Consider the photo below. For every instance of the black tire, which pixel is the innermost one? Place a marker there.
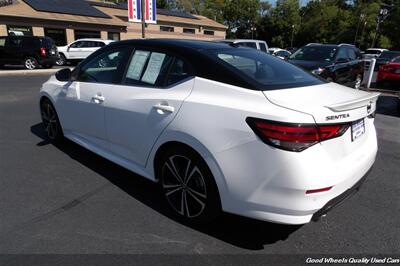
(61, 60)
(31, 63)
(50, 121)
(190, 191)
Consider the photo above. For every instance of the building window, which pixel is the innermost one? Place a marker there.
(190, 31)
(166, 28)
(114, 36)
(208, 32)
(19, 31)
(82, 34)
(58, 35)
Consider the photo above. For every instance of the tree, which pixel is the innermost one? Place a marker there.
(241, 17)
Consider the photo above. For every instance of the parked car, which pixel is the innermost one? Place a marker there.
(79, 50)
(373, 53)
(29, 51)
(256, 44)
(291, 49)
(280, 53)
(338, 63)
(252, 135)
(389, 74)
(385, 57)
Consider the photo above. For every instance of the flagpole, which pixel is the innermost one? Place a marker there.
(142, 9)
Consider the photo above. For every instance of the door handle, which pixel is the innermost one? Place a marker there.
(98, 98)
(164, 108)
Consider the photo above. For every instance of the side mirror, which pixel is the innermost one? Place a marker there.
(341, 60)
(63, 74)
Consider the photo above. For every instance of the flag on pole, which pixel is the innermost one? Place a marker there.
(135, 11)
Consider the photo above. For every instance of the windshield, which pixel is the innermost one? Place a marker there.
(389, 55)
(268, 72)
(315, 53)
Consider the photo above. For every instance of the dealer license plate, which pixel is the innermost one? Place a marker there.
(357, 129)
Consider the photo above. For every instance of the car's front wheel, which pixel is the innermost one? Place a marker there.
(50, 121)
(188, 185)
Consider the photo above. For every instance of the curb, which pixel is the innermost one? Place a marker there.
(22, 72)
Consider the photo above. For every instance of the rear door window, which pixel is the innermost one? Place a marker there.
(147, 68)
(15, 42)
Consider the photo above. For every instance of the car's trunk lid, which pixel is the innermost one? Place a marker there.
(327, 103)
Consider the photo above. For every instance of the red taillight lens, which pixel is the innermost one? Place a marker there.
(294, 137)
(312, 191)
(43, 52)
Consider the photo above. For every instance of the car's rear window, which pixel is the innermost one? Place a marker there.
(47, 42)
(263, 70)
(315, 53)
(372, 51)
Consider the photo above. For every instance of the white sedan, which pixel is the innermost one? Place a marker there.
(219, 127)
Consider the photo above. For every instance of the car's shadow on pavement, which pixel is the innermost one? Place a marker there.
(388, 105)
(235, 230)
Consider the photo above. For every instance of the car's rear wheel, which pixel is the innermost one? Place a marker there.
(61, 60)
(31, 63)
(50, 121)
(188, 185)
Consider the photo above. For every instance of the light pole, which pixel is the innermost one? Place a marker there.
(383, 13)
(291, 40)
(358, 26)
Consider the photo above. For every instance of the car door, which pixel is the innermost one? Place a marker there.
(81, 102)
(75, 50)
(342, 69)
(154, 88)
(12, 52)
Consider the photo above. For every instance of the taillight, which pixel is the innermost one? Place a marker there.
(43, 52)
(294, 137)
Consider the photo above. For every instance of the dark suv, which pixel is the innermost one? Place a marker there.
(30, 51)
(341, 63)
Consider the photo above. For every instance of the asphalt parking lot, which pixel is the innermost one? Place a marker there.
(66, 200)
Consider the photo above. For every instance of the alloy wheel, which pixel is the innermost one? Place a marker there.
(30, 63)
(184, 186)
(49, 118)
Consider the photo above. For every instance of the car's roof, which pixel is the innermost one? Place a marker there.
(177, 44)
(94, 39)
(241, 40)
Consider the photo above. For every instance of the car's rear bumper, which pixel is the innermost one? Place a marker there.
(48, 60)
(339, 199)
(270, 184)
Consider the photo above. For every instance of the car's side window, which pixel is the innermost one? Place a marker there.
(397, 60)
(352, 54)
(15, 42)
(77, 45)
(263, 47)
(147, 68)
(179, 71)
(104, 68)
(100, 44)
(342, 54)
(248, 44)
